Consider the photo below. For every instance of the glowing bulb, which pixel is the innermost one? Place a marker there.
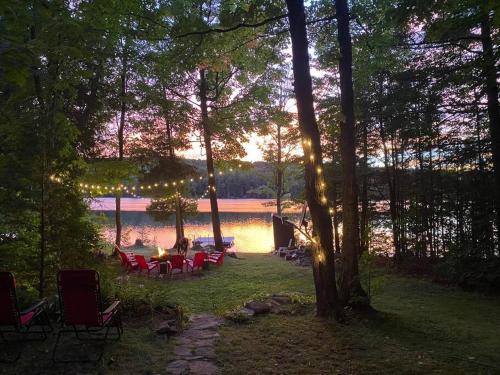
(330, 210)
(319, 170)
(239, 165)
(201, 177)
(322, 184)
(182, 181)
(149, 186)
(211, 174)
(156, 185)
(174, 183)
(142, 187)
(311, 157)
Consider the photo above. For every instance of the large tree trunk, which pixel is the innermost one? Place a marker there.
(323, 254)
(207, 136)
(349, 279)
(490, 72)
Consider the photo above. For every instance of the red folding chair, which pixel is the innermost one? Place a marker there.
(217, 257)
(82, 311)
(177, 262)
(148, 266)
(14, 321)
(197, 262)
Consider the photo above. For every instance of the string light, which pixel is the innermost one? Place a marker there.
(130, 189)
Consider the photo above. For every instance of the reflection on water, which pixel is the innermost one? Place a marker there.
(248, 220)
(252, 231)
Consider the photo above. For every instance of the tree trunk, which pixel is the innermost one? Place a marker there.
(364, 193)
(335, 217)
(349, 279)
(207, 136)
(323, 254)
(41, 287)
(121, 128)
(179, 221)
(490, 72)
(279, 173)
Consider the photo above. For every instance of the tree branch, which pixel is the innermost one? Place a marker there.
(235, 27)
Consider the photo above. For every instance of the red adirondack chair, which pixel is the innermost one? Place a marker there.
(197, 262)
(217, 257)
(129, 262)
(148, 266)
(82, 311)
(14, 321)
(177, 262)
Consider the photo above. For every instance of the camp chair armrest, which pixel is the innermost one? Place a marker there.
(114, 306)
(37, 308)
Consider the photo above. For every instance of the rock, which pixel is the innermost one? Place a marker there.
(246, 312)
(139, 243)
(178, 367)
(202, 368)
(202, 322)
(282, 300)
(182, 351)
(202, 343)
(168, 327)
(258, 307)
(184, 341)
(200, 334)
(271, 303)
(206, 351)
(240, 316)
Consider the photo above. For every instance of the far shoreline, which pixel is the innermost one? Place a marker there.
(248, 205)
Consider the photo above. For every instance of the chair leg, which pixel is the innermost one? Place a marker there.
(55, 346)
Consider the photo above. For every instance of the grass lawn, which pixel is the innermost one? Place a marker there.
(420, 327)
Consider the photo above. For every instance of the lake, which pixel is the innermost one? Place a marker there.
(248, 220)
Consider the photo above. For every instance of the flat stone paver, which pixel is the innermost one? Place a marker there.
(195, 347)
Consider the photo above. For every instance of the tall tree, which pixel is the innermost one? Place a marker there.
(323, 254)
(350, 284)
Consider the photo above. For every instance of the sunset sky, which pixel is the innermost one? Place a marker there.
(251, 147)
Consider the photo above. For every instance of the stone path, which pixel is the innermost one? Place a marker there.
(195, 347)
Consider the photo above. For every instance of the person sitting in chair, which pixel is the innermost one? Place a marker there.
(182, 246)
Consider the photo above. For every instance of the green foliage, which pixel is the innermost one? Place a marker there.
(44, 222)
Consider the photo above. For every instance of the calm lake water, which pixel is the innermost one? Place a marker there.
(248, 220)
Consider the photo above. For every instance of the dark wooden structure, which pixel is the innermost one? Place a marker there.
(283, 232)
